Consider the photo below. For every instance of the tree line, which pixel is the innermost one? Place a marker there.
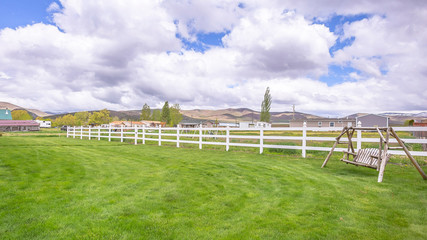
(171, 115)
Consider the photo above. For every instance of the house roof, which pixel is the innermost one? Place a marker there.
(324, 119)
(18, 123)
(365, 115)
(5, 114)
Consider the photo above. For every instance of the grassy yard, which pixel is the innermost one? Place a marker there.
(62, 188)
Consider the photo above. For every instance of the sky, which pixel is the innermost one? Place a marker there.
(330, 58)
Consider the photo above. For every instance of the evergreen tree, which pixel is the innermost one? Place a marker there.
(265, 107)
(165, 116)
(145, 112)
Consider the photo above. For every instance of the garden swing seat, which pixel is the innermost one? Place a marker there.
(367, 157)
(375, 158)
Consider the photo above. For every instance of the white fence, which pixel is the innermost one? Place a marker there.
(223, 137)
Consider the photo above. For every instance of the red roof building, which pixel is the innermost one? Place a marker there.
(18, 125)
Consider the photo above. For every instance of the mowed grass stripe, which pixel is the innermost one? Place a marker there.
(64, 188)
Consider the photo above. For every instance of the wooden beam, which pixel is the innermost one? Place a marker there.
(420, 170)
(384, 161)
(344, 130)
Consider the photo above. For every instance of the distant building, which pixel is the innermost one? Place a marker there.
(119, 124)
(372, 120)
(235, 125)
(5, 114)
(18, 125)
(204, 124)
(254, 125)
(324, 122)
(44, 124)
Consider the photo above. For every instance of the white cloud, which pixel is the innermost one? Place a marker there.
(116, 54)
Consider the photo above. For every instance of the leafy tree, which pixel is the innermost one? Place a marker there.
(409, 122)
(156, 115)
(44, 119)
(21, 115)
(265, 107)
(145, 112)
(82, 118)
(101, 117)
(175, 115)
(67, 120)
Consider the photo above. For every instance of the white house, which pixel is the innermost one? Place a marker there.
(44, 124)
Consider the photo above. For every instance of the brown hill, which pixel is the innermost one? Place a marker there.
(34, 112)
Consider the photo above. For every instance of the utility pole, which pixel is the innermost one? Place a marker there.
(293, 112)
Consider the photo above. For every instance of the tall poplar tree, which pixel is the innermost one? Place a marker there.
(265, 106)
(166, 116)
(145, 112)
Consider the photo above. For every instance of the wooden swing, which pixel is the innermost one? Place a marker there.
(375, 158)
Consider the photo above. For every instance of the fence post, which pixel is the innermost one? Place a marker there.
(109, 133)
(74, 131)
(136, 135)
(99, 133)
(143, 134)
(121, 133)
(227, 138)
(304, 139)
(160, 135)
(89, 132)
(261, 141)
(359, 137)
(81, 132)
(200, 136)
(68, 129)
(177, 136)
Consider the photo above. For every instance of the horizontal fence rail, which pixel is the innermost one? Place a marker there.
(224, 137)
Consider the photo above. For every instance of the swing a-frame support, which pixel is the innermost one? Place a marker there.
(375, 158)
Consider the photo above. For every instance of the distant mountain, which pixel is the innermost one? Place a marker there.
(241, 114)
(34, 112)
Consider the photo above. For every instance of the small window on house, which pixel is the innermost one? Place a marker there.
(331, 124)
(319, 124)
(339, 121)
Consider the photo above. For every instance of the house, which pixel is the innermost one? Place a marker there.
(324, 122)
(44, 124)
(18, 125)
(5, 114)
(372, 120)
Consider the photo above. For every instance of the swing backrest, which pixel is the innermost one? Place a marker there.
(368, 156)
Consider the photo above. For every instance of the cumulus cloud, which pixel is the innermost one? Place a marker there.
(121, 54)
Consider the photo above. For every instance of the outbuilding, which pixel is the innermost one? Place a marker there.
(372, 120)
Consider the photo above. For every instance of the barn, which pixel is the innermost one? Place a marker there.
(5, 114)
(18, 125)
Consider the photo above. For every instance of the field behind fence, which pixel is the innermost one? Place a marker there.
(301, 139)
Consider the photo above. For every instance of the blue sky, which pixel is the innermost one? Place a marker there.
(210, 54)
(18, 13)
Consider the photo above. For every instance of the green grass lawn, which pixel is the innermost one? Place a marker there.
(62, 188)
